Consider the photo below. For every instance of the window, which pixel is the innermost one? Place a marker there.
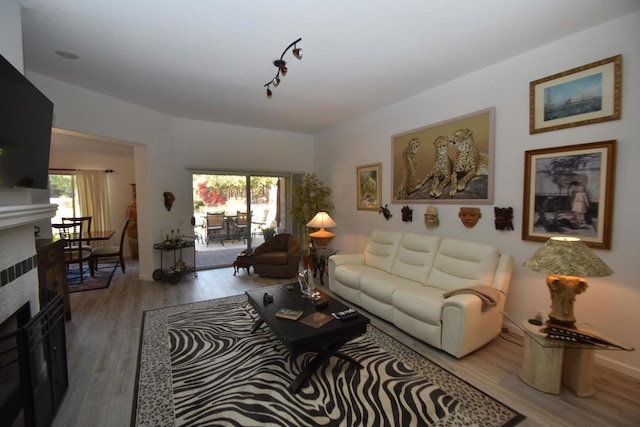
(64, 193)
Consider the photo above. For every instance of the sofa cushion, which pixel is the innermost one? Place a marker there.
(415, 256)
(350, 275)
(423, 304)
(382, 286)
(273, 258)
(381, 249)
(459, 264)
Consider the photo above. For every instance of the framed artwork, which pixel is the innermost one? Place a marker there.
(448, 162)
(580, 96)
(369, 182)
(568, 191)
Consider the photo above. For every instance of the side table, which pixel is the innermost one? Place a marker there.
(243, 261)
(547, 363)
(320, 259)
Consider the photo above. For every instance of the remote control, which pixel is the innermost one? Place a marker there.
(345, 314)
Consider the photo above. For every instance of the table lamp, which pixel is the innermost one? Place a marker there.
(566, 260)
(321, 237)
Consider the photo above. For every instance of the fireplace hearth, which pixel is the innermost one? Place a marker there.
(33, 364)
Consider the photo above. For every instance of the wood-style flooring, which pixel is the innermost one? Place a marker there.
(104, 334)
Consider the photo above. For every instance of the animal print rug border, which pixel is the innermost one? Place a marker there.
(153, 397)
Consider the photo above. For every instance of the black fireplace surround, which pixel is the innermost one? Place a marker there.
(33, 363)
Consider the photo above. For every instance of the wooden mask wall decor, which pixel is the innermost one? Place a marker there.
(504, 217)
(469, 216)
(169, 198)
(407, 214)
(431, 217)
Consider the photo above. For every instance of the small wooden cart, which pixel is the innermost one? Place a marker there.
(179, 267)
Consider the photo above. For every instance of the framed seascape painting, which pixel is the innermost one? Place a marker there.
(368, 187)
(448, 162)
(568, 191)
(580, 96)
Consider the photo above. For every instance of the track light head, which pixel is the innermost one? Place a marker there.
(281, 64)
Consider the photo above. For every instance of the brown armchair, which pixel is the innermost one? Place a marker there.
(277, 257)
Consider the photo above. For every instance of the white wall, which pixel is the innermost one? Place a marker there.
(166, 147)
(611, 303)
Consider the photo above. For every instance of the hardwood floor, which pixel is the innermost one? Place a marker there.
(103, 339)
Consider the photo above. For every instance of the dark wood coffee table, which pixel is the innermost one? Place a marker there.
(300, 338)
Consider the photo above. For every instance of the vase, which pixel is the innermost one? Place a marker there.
(132, 228)
(307, 285)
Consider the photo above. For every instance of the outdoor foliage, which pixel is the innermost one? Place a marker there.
(209, 196)
(60, 186)
(215, 190)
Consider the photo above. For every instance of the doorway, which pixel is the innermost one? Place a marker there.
(234, 212)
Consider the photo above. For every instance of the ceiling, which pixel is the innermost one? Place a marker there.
(210, 59)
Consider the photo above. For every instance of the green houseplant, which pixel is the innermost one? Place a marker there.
(268, 233)
(310, 196)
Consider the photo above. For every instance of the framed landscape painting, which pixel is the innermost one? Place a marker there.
(368, 187)
(580, 96)
(426, 167)
(568, 192)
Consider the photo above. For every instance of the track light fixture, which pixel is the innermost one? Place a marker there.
(281, 64)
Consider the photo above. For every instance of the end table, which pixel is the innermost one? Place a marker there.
(243, 261)
(547, 363)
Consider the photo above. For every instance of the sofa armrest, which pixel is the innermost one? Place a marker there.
(346, 259)
(465, 327)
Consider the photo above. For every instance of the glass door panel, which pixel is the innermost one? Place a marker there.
(232, 213)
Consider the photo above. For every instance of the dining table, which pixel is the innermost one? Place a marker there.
(93, 236)
(96, 235)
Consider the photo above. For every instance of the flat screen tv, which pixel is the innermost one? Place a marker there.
(26, 117)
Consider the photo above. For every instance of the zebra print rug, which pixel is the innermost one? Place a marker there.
(199, 366)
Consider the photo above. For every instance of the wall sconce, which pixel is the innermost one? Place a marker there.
(281, 64)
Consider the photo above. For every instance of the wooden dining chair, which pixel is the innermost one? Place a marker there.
(74, 251)
(86, 225)
(112, 252)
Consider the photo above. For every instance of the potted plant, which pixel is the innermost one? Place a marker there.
(268, 233)
(309, 197)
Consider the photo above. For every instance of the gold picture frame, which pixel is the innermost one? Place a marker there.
(568, 192)
(581, 96)
(415, 157)
(369, 191)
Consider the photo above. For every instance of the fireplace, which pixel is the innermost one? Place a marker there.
(33, 363)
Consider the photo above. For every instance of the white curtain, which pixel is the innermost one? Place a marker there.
(93, 196)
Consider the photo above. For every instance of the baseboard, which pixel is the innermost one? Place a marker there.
(619, 367)
(606, 362)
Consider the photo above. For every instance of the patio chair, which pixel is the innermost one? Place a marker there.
(215, 226)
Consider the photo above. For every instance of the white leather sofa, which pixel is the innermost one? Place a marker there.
(403, 278)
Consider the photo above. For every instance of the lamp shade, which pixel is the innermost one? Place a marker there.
(321, 220)
(567, 256)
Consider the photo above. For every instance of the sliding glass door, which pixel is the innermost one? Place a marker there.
(234, 212)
